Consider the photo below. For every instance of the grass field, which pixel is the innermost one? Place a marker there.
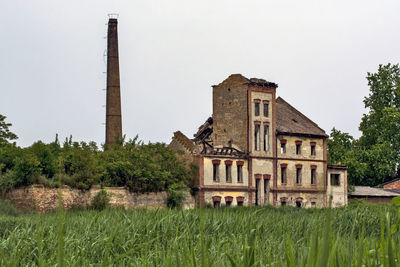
(358, 235)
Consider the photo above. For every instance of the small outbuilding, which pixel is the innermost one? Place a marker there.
(373, 195)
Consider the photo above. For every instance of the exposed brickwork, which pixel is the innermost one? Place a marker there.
(113, 106)
(230, 112)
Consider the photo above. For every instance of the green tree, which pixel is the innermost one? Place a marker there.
(5, 133)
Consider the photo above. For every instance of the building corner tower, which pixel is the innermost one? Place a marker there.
(113, 105)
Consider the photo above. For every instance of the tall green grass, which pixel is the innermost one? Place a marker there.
(357, 235)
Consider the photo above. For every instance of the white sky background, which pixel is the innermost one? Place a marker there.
(171, 52)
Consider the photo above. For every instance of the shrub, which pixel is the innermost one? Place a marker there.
(176, 195)
(101, 200)
(7, 181)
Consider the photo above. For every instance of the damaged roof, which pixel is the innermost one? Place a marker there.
(184, 140)
(291, 121)
(251, 81)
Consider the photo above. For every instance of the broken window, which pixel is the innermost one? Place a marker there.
(313, 176)
(228, 203)
(298, 149)
(257, 137)
(335, 179)
(283, 175)
(313, 203)
(215, 172)
(283, 148)
(265, 109)
(228, 173)
(283, 203)
(266, 130)
(217, 204)
(240, 203)
(240, 173)
(298, 176)
(256, 109)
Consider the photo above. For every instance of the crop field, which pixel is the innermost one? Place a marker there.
(357, 235)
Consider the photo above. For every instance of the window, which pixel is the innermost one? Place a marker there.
(298, 149)
(298, 176)
(215, 172)
(299, 201)
(217, 204)
(313, 203)
(256, 109)
(283, 203)
(240, 203)
(240, 173)
(335, 179)
(312, 149)
(265, 109)
(283, 175)
(228, 173)
(257, 137)
(266, 130)
(228, 203)
(283, 148)
(313, 176)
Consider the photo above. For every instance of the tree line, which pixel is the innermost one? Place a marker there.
(151, 167)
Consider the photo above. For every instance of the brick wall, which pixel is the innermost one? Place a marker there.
(41, 199)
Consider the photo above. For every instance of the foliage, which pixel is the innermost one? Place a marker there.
(140, 167)
(5, 133)
(374, 158)
(357, 235)
(176, 195)
(101, 200)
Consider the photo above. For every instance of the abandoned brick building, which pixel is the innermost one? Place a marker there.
(257, 149)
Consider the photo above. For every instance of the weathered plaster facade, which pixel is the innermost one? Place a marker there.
(283, 154)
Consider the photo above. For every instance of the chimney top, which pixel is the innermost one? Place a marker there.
(113, 16)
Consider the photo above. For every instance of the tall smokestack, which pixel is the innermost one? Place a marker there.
(113, 110)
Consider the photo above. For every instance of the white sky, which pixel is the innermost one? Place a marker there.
(171, 52)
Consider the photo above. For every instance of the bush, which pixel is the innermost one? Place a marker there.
(7, 181)
(101, 200)
(176, 195)
(6, 208)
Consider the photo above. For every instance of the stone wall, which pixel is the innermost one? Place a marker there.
(41, 199)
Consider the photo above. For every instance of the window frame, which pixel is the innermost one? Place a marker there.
(239, 173)
(313, 176)
(257, 136)
(228, 173)
(266, 137)
(338, 179)
(283, 174)
(298, 176)
(256, 108)
(216, 171)
(266, 109)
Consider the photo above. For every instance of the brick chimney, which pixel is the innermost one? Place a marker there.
(113, 110)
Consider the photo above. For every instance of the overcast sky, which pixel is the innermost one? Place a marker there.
(171, 52)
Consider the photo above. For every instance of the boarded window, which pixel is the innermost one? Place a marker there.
(266, 131)
(256, 109)
(283, 175)
(265, 109)
(335, 179)
(228, 173)
(313, 176)
(240, 173)
(298, 176)
(215, 172)
(257, 137)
